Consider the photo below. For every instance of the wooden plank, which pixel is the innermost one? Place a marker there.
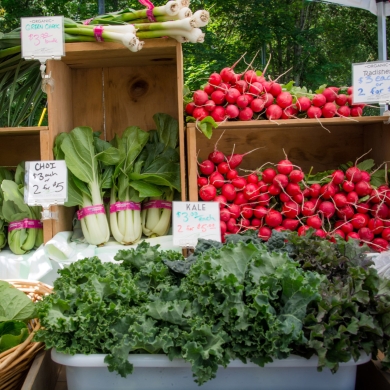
(192, 164)
(377, 138)
(17, 147)
(22, 130)
(43, 373)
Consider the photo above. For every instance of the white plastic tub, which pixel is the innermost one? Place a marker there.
(157, 372)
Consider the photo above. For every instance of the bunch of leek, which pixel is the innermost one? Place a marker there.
(13, 209)
(90, 163)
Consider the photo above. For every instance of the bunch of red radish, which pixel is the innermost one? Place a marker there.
(247, 96)
(347, 205)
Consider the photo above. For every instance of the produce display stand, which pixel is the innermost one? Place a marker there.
(306, 143)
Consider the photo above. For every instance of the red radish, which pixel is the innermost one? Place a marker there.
(350, 90)
(262, 186)
(264, 233)
(284, 99)
(255, 222)
(363, 207)
(235, 211)
(231, 95)
(344, 111)
(200, 113)
(327, 208)
(280, 180)
(273, 112)
(314, 112)
(363, 188)
(236, 159)
(298, 198)
(242, 101)
(338, 177)
(235, 78)
(209, 105)
(245, 114)
(386, 234)
(380, 210)
(305, 192)
(250, 76)
(239, 182)
(241, 85)
(223, 87)
(207, 167)
(223, 167)
(245, 223)
(290, 223)
(247, 211)
(216, 157)
(256, 88)
(228, 191)
(240, 198)
(273, 218)
(279, 228)
(318, 100)
(263, 199)
(261, 79)
(283, 197)
(353, 235)
(293, 189)
(202, 181)
(315, 190)
(353, 174)
(379, 244)
(257, 105)
(190, 108)
(252, 178)
(308, 208)
(285, 167)
(328, 191)
(329, 110)
(302, 230)
(215, 79)
(296, 176)
(232, 111)
(352, 197)
(376, 196)
(217, 179)
(366, 176)
(289, 112)
(346, 227)
(260, 212)
(209, 89)
(340, 200)
(268, 99)
(232, 226)
(346, 212)
(251, 192)
(359, 220)
(329, 94)
(224, 215)
(290, 209)
(356, 111)
(218, 97)
(276, 89)
(348, 186)
(303, 103)
(314, 221)
(207, 192)
(221, 200)
(200, 97)
(268, 175)
(226, 74)
(267, 86)
(320, 233)
(339, 232)
(341, 99)
(366, 234)
(232, 174)
(375, 225)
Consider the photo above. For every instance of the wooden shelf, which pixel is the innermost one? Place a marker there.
(23, 130)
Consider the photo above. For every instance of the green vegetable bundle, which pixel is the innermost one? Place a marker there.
(243, 299)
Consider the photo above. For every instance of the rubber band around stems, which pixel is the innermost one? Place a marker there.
(90, 210)
(98, 31)
(25, 224)
(149, 11)
(157, 204)
(126, 205)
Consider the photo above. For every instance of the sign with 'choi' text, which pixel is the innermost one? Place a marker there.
(371, 82)
(193, 220)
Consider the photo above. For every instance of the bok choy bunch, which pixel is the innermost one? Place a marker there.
(90, 163)
(5, 174)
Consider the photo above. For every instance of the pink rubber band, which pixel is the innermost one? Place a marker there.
(98, 31)
(121, 206)
(25, 224)
(149, 11)
(90, 210)
(157, 204)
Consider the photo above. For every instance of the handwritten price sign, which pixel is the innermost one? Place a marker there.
(371, 82)
(192, 220)
(42, 37)
(46, 182)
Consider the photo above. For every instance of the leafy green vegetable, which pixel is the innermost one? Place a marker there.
(12, 333)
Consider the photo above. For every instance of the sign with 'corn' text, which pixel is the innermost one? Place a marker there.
(193, 220)
(371, 82)
(46, 183)
(42, 37)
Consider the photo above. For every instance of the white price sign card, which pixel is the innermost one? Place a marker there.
(46, 182)
(371, 82)
(193, 220)
(42, 37)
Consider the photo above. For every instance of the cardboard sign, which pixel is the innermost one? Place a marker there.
(46, 183)
(193, 220)
(371, 82)
(42, 37)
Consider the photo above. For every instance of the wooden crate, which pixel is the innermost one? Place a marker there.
(305, 142)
